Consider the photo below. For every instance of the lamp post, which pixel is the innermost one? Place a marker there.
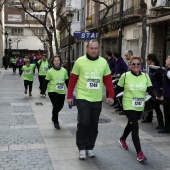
(69, 16)
(50, 40)
(6, 42)
(9, 41)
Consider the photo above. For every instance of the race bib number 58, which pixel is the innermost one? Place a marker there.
(93, 84)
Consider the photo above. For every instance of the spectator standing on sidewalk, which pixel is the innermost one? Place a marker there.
(156, 79)
(57, 80)
(88, 75)
(110, 61)
(5, 62)
(43, 66)
(128, 54)
(135, 84)
(20, 63)
(166, 97)
(28, 70)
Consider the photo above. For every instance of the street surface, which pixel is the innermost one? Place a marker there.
(28, 140)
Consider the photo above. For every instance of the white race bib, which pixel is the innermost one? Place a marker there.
(60, 86)
(45, 69)
(93, 84)
(137, 102)
(27, 71)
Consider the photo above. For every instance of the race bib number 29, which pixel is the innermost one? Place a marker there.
(93, 84)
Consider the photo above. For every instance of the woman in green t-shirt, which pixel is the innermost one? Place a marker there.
(57, 80)
(28, 70)
(135, 84)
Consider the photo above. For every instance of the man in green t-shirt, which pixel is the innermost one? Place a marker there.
(28, 70)
(88, 75)
(42, 68)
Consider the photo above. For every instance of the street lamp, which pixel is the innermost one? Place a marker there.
(69, 16)
(9, 41)
(50, 40)
(6, 42)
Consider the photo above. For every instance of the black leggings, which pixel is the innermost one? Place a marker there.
(28, 83)
(132, 126)
(57, 101)
(41, 81)
(14, 67)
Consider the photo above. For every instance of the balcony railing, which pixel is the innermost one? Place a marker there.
(91, 21)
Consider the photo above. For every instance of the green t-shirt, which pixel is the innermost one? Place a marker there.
(134, 90)
(43, 67)
(56, 80)
(90, 78)
(28, 72)
(14, 60)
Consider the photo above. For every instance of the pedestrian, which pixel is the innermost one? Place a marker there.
(128, 54)
(166, 97)
(135, 84)
(110, 61)
(57, 80)
(120, 65)
(156, 76)
(88, 75)
(20, 63)
(13, 63)
(43, 66)
(28, 70)
(5, 62)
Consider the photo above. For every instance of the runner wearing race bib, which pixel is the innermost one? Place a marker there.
(88, 75)
(43, 66)
(28, 70)
(135, 84)
(57, 80)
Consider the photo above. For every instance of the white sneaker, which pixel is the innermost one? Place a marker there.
(90, 153)
(82, 154)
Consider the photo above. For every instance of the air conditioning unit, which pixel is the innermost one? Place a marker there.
(158, 3)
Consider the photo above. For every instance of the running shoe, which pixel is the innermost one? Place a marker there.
(30, 94)
(90, 153)
(140, 156)
(82, 154)
(123, 144)
(25, 91)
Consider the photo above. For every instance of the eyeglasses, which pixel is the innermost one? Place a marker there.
(135, 64)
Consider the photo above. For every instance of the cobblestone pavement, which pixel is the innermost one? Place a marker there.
(28, 140)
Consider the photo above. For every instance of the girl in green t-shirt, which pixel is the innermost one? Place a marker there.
(57, 79)
(28, 70)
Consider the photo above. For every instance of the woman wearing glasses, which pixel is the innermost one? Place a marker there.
(135, 84)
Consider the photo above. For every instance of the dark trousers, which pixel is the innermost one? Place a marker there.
(57, 101)
(14, 67)
(41, 81)
(132, 126)
(159, 114)
(28, 83)
(19, 67)
(166, 109)
(87, 126)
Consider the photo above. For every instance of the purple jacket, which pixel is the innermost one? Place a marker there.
(111, 63)
(20, 62)
(166, 85)
(120, 66)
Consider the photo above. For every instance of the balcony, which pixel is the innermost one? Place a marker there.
(91, 22)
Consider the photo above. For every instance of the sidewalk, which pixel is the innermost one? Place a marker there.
(28, 140)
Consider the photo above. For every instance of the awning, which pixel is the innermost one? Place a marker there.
(160, 19)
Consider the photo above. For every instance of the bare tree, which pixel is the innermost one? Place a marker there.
(48, 9)
(101, 23)
(2, 2)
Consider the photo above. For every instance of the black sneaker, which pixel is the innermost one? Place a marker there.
(30, 94)
(56, 125)
(159, 127)
(25, 91)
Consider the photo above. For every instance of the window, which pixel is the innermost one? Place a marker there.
(17, 31)
(78, 16)
(39, 16)
(14, 3)
(38, 31)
